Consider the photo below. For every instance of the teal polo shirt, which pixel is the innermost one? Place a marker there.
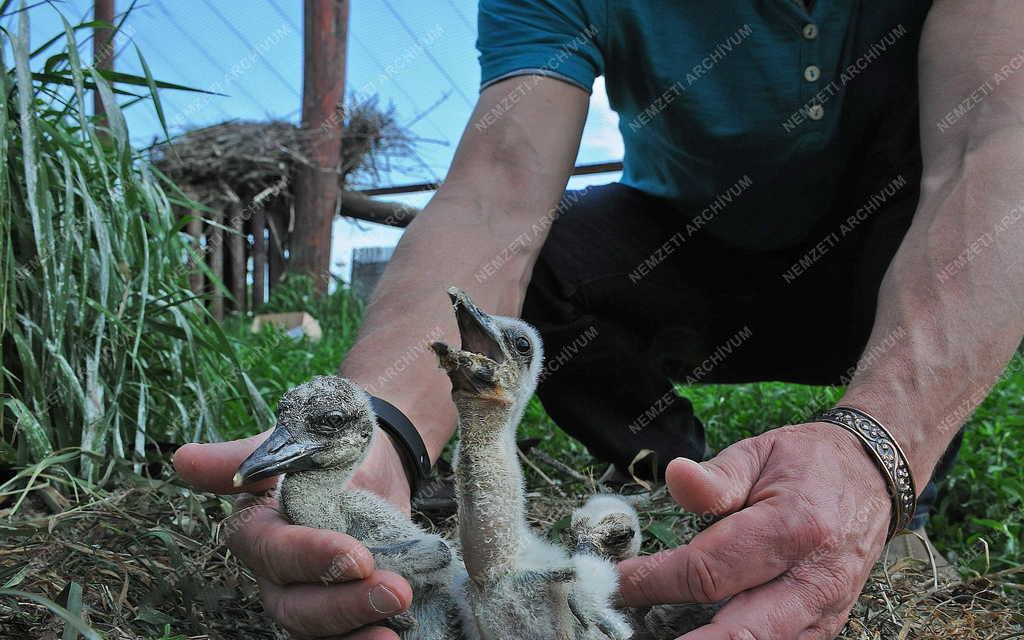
(746, 114)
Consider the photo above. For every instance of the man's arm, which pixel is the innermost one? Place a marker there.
(507, 175)
(954, 292)
(805, 500)
(482, 231)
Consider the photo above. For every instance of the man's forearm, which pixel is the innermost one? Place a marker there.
(482, 232)
(410, 310)
(951, 306)
(949, 313)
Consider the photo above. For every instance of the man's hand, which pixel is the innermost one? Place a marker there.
(315, 583)
(807, 515)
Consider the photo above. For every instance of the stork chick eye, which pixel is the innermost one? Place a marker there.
(329, 422)
(619, 538)
(522, 345)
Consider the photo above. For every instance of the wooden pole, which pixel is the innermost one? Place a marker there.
(277, 218)
(195, 231)
(323, 89)
(236, 247)
(102, 48)
(215, 250)
(259, 257)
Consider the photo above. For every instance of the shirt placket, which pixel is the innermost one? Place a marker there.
(811, 83)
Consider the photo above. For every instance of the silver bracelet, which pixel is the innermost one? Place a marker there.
(889, 456)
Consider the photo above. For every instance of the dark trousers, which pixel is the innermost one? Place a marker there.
(630, 294)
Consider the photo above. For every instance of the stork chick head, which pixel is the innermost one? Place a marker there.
(606, 526)
(500, 358)
(326, 423)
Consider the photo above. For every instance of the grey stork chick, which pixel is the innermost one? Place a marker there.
(608, 526)
(519, 585)
(323, 431)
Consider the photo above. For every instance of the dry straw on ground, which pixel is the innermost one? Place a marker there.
(151, 554)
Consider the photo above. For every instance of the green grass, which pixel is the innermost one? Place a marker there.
(982, 507)
(105, 350)
(275, 362)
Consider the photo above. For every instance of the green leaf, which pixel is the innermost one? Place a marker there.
(76, 622)
(31, 430)
(662, 530)
(74, 607)
(154, 93)
(555, 532)
(117, 77)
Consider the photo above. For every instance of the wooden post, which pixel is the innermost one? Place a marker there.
(323, 89)
(236, 247)
(195, 231)
(277, 217)
(102, 48)
(215, 251)
(259, 257)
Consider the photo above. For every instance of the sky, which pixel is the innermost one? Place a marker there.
(416, 56)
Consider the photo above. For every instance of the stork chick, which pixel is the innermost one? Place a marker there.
(608, 526)
(323, 431)
(519, 585)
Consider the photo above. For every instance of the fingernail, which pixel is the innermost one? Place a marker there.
(384, 601)
(690, 461)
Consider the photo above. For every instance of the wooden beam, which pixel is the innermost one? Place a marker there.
(102, 48)
(316, 184)
(362, 207)
(259, 257)
(416, 187)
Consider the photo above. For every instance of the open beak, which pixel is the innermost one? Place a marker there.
(280, 453)
(478, 330)
(473, 367)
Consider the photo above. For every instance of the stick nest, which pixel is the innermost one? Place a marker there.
(254, 160)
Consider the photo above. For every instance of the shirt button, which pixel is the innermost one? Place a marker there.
(812, 73)
(810, 31)
(816, 112)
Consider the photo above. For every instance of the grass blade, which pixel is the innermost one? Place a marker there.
(76, 622)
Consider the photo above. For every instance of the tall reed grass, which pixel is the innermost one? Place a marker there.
(105, 349)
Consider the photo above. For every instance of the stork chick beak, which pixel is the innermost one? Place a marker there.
(473, 368)
(280, 453)
(478, 330)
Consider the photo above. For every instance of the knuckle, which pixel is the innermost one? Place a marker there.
(833, 625)
(826, 593)
(360, 559)
(699, 576)
(349, 615)
(282, 610)
(261, 548)
(825, 629)
(826, 587)
(648, 591)
(236, 531)
(807, 525)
